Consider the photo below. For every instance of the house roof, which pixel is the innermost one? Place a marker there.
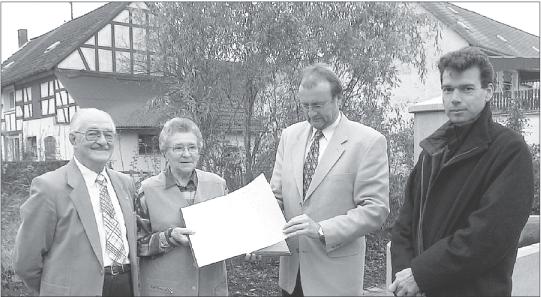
(121, 97)
(124, 98)
(34, 58)
(496, 38)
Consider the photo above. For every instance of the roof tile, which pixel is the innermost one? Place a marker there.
(483, 31)
(33, 58)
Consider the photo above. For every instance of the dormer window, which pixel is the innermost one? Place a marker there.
(452, 9)
(464, 25)
(51, 47)
(501, 38)
(8, 65)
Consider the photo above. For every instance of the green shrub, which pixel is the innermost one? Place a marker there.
(16, 180)
(17, 176)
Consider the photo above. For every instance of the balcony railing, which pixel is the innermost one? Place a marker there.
(529, 100)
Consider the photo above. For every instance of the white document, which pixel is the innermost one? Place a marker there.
(241, 222)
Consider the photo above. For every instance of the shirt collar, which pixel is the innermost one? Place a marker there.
(474, 134)
(89, 175)
(329, 131)
(171, 181)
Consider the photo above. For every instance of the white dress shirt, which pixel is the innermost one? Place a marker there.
(93, 191)
(323, 141)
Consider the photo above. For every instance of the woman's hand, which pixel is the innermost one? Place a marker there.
(180, 235)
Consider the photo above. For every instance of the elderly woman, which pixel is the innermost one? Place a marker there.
(167, 262)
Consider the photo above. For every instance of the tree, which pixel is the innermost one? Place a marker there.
(247, 56)
(516, 119)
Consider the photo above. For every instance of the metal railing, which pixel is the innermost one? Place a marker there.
(529, 100)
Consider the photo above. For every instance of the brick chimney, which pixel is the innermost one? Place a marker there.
(23, 36)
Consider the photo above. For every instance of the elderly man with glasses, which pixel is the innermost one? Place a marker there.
(78, 230)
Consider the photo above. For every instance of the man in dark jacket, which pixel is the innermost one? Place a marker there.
(468, 196)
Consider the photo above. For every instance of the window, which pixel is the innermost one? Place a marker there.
(501, 38)
(27, 103)
(9, 101)
(122, 46)
(104, 36)
(31, 152)
(50, 148)
(65, 105)
(106, 60)
(47, 98)
(148, 144)
(12, 149)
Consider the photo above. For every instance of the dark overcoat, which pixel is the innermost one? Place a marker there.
(459, 226)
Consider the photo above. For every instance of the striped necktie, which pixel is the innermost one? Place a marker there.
(114, 245)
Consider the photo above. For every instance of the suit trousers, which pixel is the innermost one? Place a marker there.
(297, 292)
(118, 285)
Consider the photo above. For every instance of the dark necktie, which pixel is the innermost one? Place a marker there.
(114, 246)
(310, 163)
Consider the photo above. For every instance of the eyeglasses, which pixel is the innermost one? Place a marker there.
(94, 135)
(315, 106)
(179, 149)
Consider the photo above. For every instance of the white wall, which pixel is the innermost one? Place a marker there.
(41, 128)
(526, 271)
(126, 155)
(126, 142)
(429, 116)
(411, 88)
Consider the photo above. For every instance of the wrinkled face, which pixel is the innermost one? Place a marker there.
(93, 142)
(182, 152)
(462, 94)
(320, 109)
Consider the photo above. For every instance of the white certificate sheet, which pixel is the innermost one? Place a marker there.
(241, 222)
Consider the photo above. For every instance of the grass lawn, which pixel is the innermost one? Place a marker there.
(244, 278)
(11, 286)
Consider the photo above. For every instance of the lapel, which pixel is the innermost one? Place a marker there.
(202, 186)
(297, 155)
(331, 155)
(81, 200)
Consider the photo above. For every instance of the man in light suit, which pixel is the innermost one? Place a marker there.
(331, 178)
(78, 232)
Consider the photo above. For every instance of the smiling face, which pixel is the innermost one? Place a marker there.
(320, 108)
(93, 153)
(462, 94)
(182, 152)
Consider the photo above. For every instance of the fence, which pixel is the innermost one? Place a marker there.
(529, 100)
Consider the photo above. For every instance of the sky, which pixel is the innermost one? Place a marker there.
(41, 17)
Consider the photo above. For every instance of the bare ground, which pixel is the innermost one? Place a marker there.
(245, 278)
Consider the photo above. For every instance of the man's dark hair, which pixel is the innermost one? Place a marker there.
(321, 72)
(467, 58)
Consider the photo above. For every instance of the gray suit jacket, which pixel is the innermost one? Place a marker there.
(348, 196)
(57, 248)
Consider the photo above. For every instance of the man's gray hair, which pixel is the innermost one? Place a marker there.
(83, 113)
(179, 125)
